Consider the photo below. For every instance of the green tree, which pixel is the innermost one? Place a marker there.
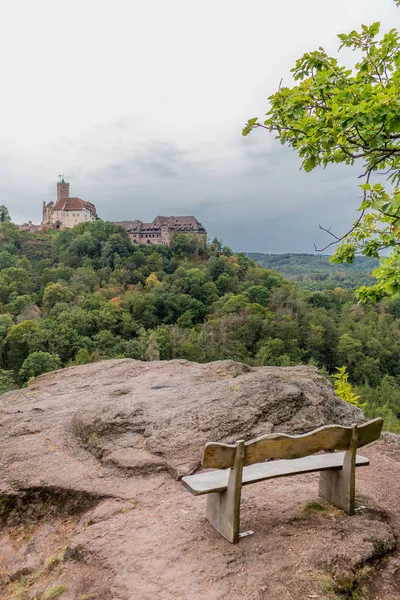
(164, 343)
(4, 214)
(185, 243)
(350, 350)
(7, 382)
(258, 294)
(5, 323)
(38, 363)
(21, 340)
(55, 293)
(334, 114)
(82, 357)
(272, 352)
(14, 281)
(10, 237)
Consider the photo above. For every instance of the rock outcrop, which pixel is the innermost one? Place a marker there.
(134, 417)
(95, 453)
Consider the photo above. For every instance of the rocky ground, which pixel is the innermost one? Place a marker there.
(92, 506)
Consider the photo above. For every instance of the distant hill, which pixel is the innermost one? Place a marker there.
(315, 272)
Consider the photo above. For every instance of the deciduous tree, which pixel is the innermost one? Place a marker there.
(4, 214)
(38, 363)
(336, 114)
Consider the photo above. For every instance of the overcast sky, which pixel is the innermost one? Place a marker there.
(140, 103)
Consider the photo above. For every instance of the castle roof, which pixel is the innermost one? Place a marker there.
(183, 224)
(130, 225)
(74, 204)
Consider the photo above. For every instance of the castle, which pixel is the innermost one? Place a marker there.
(161, 229)
(67, 212)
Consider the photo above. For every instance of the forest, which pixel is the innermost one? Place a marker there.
(315, 272)
(85, 294)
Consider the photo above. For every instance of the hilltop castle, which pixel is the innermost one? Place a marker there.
(67, 211)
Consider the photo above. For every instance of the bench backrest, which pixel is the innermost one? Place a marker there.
(279, 445)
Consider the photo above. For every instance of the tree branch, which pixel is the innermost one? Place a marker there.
(339, 239)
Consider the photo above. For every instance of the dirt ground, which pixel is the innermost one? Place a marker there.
(158, 544)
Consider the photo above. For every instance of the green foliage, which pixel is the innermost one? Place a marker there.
(157, 303)
(314, 272)
(38, 363)
(21, 340)
(343, 387)
(55, 293)
(53, 592)
(382, 401)
(186, 245)
(334, 114)
(4, 214)
(82, 357)
(5, 324)
(7, 382)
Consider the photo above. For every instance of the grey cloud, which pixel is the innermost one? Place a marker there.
(258, 201)
(271, 208)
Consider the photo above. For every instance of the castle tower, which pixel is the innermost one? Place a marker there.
(62, 189)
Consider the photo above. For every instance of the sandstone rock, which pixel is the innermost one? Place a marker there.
(89, 458)
(76, 427)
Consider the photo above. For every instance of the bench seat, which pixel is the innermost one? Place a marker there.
(217, 481)
(280, 455)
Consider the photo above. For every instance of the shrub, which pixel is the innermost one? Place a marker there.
(38, 363)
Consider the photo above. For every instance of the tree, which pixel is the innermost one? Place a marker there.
(38, 363)
(7, 382)
(152, 281)
(22, 340)
(338, 115)
(82, 357)
(185, 243)
(4, 214)
(55, 293)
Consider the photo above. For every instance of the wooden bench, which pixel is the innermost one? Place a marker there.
(244, 463)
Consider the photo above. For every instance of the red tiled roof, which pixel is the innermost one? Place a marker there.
(74, 204)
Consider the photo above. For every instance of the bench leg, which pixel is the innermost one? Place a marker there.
(339, 486)
(223, 508)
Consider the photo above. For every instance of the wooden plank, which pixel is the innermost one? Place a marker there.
(281, 446)
(217, 481)
(218, 456)
(369, 432)
(223, 509)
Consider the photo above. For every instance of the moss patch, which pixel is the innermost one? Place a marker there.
(53, 592)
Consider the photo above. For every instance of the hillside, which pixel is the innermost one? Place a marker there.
(86, 294)
(315, 272)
